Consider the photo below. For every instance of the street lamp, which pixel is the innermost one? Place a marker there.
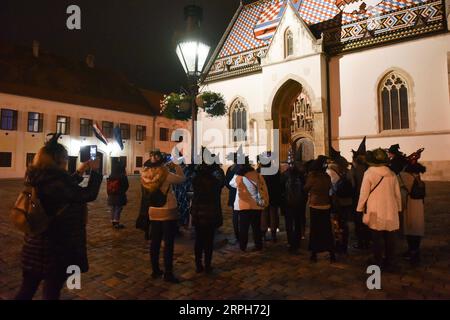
(192, 52)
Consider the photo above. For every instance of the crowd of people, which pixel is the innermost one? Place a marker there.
(380, 191)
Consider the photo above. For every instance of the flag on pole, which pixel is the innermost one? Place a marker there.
(99, 134)
(118, 136)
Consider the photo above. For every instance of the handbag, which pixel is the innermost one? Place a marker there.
(28, 214)
(158, 199)
(365, 215)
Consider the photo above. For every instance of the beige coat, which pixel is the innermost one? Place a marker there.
(247, 190)
(413, 214)
(169, 211)
(384, 202)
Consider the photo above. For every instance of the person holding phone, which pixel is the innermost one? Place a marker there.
(46, 257)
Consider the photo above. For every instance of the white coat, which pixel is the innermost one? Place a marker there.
(384, 203)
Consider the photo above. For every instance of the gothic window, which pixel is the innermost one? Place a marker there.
(238, 121)
(288, 43)
(394, 106)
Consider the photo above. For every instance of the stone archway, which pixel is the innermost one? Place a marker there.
(293, 116)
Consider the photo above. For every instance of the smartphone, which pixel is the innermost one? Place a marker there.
(93, 153)
(88, 153)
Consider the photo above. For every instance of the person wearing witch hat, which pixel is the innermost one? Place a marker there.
(318, 185)
(359, 167)
(380, 203)
(46, 256)
(397, 159)
(342, 193)
(414, 213)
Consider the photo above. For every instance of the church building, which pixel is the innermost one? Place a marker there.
(327, 73)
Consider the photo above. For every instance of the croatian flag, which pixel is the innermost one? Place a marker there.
(99, 134)
(118, 137)
(269, 19)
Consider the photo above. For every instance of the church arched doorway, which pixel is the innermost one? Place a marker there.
(292, 114)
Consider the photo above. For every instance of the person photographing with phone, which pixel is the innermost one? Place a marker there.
(157, 180)
(47, 254)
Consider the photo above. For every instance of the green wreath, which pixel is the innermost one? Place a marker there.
(176, 106)
(213, 104)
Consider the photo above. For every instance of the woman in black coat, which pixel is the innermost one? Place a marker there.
(206, 213)
(47, 256)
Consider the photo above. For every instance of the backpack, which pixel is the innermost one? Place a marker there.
(294, 191)
(113, 186)
(157, 198)
(28, 215)
(418, 190)
(344, 188)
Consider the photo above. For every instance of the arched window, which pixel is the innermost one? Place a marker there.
(238, 121)
(288, 43)
(394, 102)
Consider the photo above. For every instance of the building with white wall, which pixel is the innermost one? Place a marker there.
(330, 72)
(41, 94)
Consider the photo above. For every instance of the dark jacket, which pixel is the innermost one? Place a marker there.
(318, 185)
(231, 171)
(292, 194)
(119, 199)
(64, 243)
(206, 210)
(273, 187)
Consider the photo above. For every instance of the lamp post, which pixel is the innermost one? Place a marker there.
(192, 52)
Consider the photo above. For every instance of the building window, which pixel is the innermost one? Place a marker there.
(29, 159)
(9, 119)
(125, 131)
(35, 121)
(5, 159)
(394, 102)
(139, 161)
(288, 43)
(63, 125)
(163, 134)
(85, 128)
(108, 129)
(238, 119)
(140, 133)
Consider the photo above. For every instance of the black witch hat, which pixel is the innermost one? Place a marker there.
(361, 149)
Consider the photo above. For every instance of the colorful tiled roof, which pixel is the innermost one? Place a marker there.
(343, 25)
(257, 22)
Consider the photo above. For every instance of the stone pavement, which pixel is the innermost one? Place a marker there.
(120, 268)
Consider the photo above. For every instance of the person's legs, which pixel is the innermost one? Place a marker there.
(244, 224)
(297, 230)
(199, 245)
(302, 216)
(155, 245)
(274, 222)
(169, 232)
(289, 225)
(52, 286)
(30, 284)
(377, 237)
(256, 223)
(265, 220)
(117, 210)
(389, 242)
(209, 247)
(236, 224)
(343, 215)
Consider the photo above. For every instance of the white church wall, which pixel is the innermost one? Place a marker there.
(355, 79)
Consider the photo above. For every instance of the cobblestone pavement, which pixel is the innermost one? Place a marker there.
(120, 268)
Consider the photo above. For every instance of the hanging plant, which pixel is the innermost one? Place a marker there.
(212, 103)
(176, 106)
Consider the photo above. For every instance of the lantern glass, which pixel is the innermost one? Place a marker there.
(193, 55)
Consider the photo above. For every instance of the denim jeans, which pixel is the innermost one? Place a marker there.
(115, 213)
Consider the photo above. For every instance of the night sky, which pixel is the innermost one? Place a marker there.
(133, 37)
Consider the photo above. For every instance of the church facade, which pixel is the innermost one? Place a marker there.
(327, 73)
